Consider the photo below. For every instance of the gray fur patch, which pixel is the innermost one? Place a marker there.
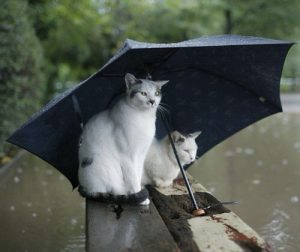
(86, 162)
(133, 93)
(180, 140)
(138, 81)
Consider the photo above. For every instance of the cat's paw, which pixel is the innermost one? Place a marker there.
(162, 183)
(146, 202)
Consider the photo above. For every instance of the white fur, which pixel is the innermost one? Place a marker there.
(118, 140)
(161, 168)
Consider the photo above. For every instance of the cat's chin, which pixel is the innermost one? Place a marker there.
(148, 108)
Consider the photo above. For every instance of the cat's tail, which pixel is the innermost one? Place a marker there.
(131, 199)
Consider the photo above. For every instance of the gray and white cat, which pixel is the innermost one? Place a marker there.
(115, 142)
(161, 168)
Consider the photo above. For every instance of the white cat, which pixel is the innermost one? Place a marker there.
(161, 168)
(115, 142)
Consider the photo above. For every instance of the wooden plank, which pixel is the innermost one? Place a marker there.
(219, 230)
(127, 228)
(228, 231)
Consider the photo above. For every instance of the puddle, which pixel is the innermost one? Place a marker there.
(39, 219)
(259, 167)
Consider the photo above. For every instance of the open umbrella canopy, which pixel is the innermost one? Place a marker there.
(218, 85)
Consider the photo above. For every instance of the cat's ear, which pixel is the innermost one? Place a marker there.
(161, 83)
(177, 137)
(131, 80)
(195, 134)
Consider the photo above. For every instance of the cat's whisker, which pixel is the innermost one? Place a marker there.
(163, 113)
(162, 108)
(165, 105)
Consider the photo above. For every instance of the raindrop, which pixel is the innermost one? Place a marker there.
(262, 99)
(49, 210)
(276, 135)
(238, 150)
(285, 120)
(44, 183)
(16, 179)
(12, 208)
(297, 145)
(73, 221)
(34, 215)
(294, 199)
(23, 231)
(281, 213)
(61, 178)
(284, 162)
(259, 163)
(212, 189)
(249, 151)
(19, 170)
(29, 204)
(256, 181)
(81, 226)
(229, 153)
(49, 172)
(262, 130)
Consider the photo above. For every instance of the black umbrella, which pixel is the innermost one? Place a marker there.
(218, 85)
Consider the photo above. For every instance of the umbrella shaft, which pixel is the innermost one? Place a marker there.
(188, 186)
(181, 168)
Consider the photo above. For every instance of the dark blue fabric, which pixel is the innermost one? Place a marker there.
(218, 85)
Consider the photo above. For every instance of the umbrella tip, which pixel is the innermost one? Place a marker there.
(199, 212)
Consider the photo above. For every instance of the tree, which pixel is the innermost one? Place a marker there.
(78, 37)
(21, 78)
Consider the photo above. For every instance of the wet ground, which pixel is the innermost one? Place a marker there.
(258, 166)
(38, 210)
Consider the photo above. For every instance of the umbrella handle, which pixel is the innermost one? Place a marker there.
(187, 183)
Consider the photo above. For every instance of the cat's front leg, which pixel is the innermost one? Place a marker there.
(131, 176)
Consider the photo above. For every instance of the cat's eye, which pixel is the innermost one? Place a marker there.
(143, 93)
(157, 93)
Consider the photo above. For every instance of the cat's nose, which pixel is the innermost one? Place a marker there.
(152, 102)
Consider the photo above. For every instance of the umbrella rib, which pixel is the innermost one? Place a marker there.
(181, 69)
(145, 67)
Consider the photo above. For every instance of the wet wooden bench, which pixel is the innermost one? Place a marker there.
(167, 225)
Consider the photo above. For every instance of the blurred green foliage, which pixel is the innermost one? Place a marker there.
(75, 38)
(78, 37)
(21, 61)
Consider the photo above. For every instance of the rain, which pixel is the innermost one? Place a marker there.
(259, 167)
(49, 46)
